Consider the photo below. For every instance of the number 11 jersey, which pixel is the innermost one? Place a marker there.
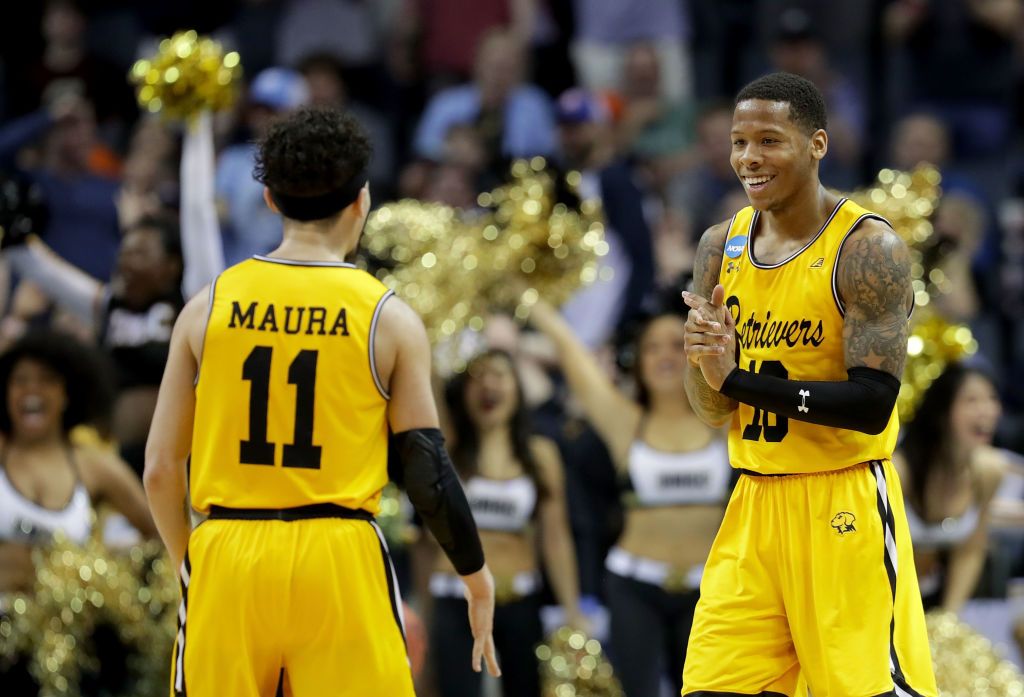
(789, 323)
(290, 410)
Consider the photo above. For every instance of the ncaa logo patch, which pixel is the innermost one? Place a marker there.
(734, 247)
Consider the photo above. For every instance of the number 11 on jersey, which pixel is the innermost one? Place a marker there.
(257, 450)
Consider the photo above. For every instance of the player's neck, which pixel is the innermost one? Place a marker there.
(802, 215)
(308, 243)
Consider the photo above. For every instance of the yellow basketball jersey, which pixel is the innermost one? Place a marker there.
(789, 323)
(289, 408)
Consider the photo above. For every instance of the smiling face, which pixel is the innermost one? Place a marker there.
(773, 156)
(975, 411)
(663, 355)
(491, 392)
(36, 400)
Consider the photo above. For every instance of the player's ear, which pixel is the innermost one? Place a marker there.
(268, 199)
(819, 144)
(363, 202)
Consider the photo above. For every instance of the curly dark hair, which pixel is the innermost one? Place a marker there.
(87, 377)
(806, 105)
(312, 152)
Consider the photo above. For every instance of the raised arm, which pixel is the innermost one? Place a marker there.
(66, 284)
(710, 405)
(201, 244)
(614, 416)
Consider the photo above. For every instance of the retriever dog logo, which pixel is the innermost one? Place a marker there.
(843, 522)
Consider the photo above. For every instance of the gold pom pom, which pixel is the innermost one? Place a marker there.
(574, 665)
(966, 663)
(188, 74)
(908, 200)
(77, 589)
(454, 267)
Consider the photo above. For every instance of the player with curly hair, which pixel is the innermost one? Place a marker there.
(282, 382)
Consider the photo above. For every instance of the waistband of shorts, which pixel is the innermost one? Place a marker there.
(771, 475)
(314, 510)
(507, 589)
(652, 571)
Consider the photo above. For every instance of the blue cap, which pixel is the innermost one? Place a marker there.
(279, 89)
(579, 106)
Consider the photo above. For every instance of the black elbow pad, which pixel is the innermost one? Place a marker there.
(426, 472)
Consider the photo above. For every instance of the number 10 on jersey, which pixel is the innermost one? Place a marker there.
(257, 450)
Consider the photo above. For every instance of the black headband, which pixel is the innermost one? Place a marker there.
(306, 208)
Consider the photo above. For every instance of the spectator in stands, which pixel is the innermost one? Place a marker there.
(248, 226)
(700, 188)
(951, 472)
(651, 126)
(798, 48)
(606, 29)
(83, 218)
(513, 119)
(67, 59)
(438, 41)
(960, 55)
(585, 145)
(327, 88)
(349, 30)
(958, 229)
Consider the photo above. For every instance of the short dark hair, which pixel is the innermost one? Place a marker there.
(311, 152)
(87, 376)
(806, 105)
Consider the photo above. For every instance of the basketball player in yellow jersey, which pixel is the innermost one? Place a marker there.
(796, 336)
(279, 389)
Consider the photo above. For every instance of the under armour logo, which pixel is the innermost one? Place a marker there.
(804, 394)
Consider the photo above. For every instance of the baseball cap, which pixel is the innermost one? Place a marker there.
(576, 105)
(279, 89)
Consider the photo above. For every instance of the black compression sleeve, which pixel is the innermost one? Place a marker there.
(422, 467)
(863, 403)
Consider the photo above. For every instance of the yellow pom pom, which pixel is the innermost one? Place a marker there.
(188, 74)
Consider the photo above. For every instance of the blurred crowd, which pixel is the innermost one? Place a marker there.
(637, 97)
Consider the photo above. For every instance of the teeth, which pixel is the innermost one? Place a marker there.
(757, 180)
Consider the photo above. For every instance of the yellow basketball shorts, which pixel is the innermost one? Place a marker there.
(812, 574)
(315, 598)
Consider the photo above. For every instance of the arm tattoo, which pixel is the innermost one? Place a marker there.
(710, 405)
(873, 277)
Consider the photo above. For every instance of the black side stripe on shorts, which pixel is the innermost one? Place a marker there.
(393, 591)
(901, 688)
(179, 645)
